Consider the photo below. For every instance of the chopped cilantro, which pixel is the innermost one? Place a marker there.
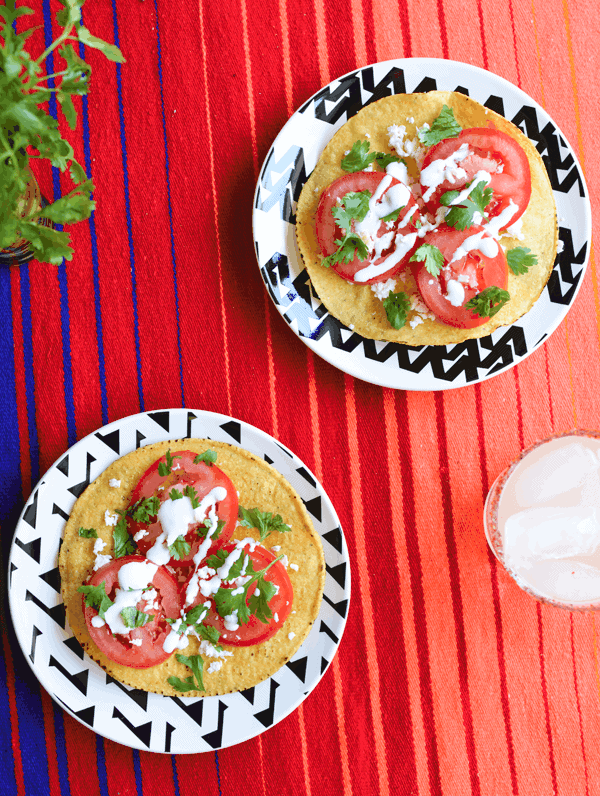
(487, 303)
(123, 543)
(359, 158)
(237, 568)
(179, 549)
(460, 216)
(393, 215)
(205, 527)
(445, 126)
(264, 522)
(208, 457)
(144, 510)
(133, 618)
(190, 492)
(348, 246)
(520, 260)
(96, 597)
(175, 494)
(164, 468)
(431, 256)
(229, 600)
(354, 206)
(193, 619)
(88, 533)
(397, 307)
(196, 664)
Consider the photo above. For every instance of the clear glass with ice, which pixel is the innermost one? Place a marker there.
(542, 520)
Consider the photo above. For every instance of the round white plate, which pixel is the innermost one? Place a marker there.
(290, 162)
(136, 718)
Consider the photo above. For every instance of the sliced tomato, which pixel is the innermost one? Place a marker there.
(255, 631)
(203, 478)
(119, 648)
(328, 231)
(480, 271)
(492, 151)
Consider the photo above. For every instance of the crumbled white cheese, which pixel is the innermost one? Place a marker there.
(383, 289)
(276, 548)
(140, 534)
(115, 483)
(110, 519)
(214, 667)
(137, 642)
(291, 636)
(276, 617)
(294, 567)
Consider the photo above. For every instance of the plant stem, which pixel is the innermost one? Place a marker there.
(63, 36)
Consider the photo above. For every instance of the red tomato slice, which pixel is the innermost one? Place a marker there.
(490, 149)
(328, 231)
(153, 634)
(483, 272)
(203, 477)
(255, 631)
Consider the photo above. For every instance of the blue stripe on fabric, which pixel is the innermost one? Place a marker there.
(34, 443)
(61, 750)
(101, 766)
(128, 215)
(137, 768)
(175, 775)
(218, 773)
(10, 503)
(173, 257)
(94, 244)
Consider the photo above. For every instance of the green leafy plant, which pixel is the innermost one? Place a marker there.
(28, 132)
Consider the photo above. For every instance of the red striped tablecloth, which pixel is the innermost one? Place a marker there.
(449, 680)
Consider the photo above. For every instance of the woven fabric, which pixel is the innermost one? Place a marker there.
(449, 679)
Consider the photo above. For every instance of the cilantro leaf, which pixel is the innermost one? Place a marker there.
(123, 542)
(208, 457)
(179, 549)
(194, 681)
(259, 605)
(193, 619)
(205, 527)
(348, 247)
(88, 533)
(431, 256)
(520, 260)
(175, 494)
(228, 601)
(144, 510)
(238, 568)
(460, 216)
(164, 468)
(96, 597)
(264, 522)
(354, 206)
(397, 307)
(109, 50)
(133, 618)
(191, 493)
(445, 126)
(487, 303)
(360, 158)
(393, 216)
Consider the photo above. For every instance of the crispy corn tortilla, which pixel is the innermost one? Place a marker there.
(355, 305)
(259, 485)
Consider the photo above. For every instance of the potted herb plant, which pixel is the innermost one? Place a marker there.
(28, 132)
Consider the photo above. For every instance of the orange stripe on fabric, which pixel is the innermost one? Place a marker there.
(285, 56)
(14, 716)
(318, 470)
(397, 521)
(267, 300)
(358, 24)
(211, 158)
(364, 586)
(322, 42)
(304, 748)
(537, 51)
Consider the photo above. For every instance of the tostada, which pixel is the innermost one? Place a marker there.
(428, 219)
(191, 568)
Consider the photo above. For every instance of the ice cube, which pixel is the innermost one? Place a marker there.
(571, 581)
(554, 473)
(543, 533)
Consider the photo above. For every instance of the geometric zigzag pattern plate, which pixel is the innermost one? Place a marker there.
(116, 711)
(292, 159)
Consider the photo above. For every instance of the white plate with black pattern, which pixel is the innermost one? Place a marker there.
(293, 157)
(129, 716)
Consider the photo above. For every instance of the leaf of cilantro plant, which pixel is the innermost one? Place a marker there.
(144, 510)
(164, 468)
(179, 549)
(397, 307)
(348, 247)
(96, 597)
(259, 605)
(205, 527)
(88, 533)
(520, 260)
(229, 600)
(445, 126)
(133, 618)
(359, 158)
(123, 542)
(487, 303)
(264, 522)
(208, 457)
(431, 256)
(460, 216)
(194, 681)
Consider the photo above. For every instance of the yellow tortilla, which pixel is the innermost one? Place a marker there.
(356, 305)
(259, 485)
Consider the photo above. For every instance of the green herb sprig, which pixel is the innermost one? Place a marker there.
(28, 132)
